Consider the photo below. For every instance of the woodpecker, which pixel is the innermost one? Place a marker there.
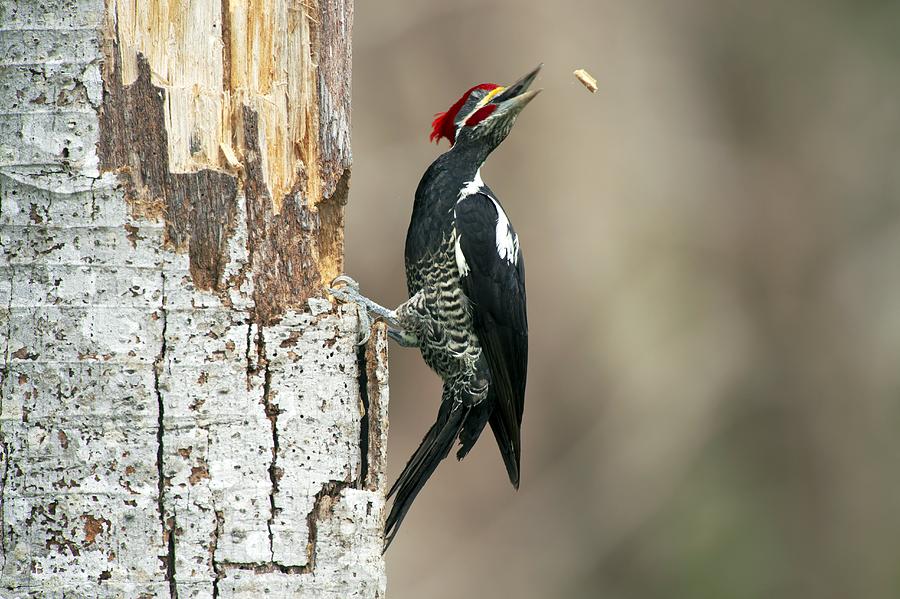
(466, 281)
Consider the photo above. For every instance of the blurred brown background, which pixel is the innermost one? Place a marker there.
(713, 251)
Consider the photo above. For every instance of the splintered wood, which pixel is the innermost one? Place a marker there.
(213, 58)
(587, 80)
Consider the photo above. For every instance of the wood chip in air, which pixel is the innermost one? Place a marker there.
(587, 80)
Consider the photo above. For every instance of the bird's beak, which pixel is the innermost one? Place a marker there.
(516, 96)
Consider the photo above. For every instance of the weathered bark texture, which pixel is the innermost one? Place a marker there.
(182, 414)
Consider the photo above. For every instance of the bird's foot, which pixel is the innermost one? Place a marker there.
(349, 293)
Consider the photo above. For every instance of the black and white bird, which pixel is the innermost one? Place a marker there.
(466, 280)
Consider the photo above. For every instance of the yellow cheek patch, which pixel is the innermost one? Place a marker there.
(490, 94)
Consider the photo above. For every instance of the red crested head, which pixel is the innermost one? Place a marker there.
(444, 124)
(484, 115)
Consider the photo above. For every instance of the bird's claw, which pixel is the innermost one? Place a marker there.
(365, 325)
(349, 294)
(346, 280)
(349, 290)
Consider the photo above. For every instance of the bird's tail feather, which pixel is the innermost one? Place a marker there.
(475, 422)
(474, 425)
(434, 448)
(507, 441)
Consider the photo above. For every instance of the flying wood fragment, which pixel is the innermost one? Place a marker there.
(586, 79)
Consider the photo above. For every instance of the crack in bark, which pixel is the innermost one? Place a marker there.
(327, 496)
(93, 199)
(363, 376)
(7, 364)
(3, 482)
(325, 499)
(168, 525)
(250, 368)
(170, 561)
(272, 412)
(226, 45)
(160, 430)
(7, 369)
(214, 546)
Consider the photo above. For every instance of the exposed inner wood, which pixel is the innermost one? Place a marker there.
(215, 57)
(242, 105)
(292, 254)
(198, 208)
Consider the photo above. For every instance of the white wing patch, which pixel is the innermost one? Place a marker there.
(470, 188)
(461, 263)
(507, 241)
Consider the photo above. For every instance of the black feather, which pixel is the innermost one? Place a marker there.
(496, 288)
(434, 448)
(473, 426)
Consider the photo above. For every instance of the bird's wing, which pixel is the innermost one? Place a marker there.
(493, 279)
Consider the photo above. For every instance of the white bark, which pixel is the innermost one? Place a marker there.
(162, 437)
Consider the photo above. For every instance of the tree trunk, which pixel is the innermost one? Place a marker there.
(183, 414)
